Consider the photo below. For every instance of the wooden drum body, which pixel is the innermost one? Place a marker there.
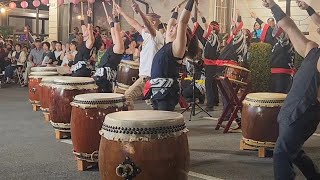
(63, 92)
(128, 73)
(237, 74)
(259, 118)
(45, 95)
(144, 145)
(34, 85)
(88, 114)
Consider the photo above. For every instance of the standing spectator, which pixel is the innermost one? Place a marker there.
(34, 59)
(256, 33)
(26, 36)
(75, 34)
(17, 61)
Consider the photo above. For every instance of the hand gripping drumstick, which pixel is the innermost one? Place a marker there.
(179, 5)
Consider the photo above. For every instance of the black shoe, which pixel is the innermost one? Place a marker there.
(209, 109)
(216, 104)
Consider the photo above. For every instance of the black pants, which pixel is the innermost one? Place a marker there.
(211, 86)
(166, 104)
(288, 149)
(281, 83)
(104, 85)
(82, 72)
(187, 88)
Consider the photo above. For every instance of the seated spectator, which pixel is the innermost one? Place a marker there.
(3, 57)
(45, 57)
(53, 45)
(132, 53)
(106, 40)
(18, 59)
(70, 53)
(75, 35)
(58, 54)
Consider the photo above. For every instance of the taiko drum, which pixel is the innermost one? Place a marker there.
(128, 73)
(237, 74)
(144, 145)
(259, 118)
(63, 92)
(34, 82)
(87, 116)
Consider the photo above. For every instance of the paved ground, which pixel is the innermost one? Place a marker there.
(29, 150)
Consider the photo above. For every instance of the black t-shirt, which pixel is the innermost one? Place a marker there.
(83, 53)
(110, 59)
(235, 50)
(164, 64)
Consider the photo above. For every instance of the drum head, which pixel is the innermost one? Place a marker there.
(131, 64)
(93, 98)
(265, 99)
(43, 73)
(142, 125)
(74, 80)
(50, 79)
(41, 69)
(237, 67)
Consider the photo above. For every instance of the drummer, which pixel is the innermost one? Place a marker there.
(234, 53)
(210, 41)
(153, 41)
(282, 62)
(79, 66)
(108, 65)
(299, 116)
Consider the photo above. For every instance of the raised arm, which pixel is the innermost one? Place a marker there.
(91, 39)
(146, 22)
(173, 20)
(132, 22)
(312, 13)
(180, 43)
(111, 23)
(301, 44)
(118, 47)
(258, 20)
(203, 19)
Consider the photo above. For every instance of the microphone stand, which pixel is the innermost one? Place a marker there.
(194, 104)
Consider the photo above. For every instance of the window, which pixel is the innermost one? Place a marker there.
(224, 13)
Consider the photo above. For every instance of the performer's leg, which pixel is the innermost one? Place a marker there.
(167, 104)
(209, 73)
(215, 92)
(280, 83)
(135, 90)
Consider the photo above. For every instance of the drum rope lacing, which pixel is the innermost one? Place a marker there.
(93, 157)
(74, 83)
(157, 130)
(100, 101)
(265, 101)
(254, 143)
(63, 127)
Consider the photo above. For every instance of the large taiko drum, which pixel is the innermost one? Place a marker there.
(87, 116)
(63, 92)
(237, 74)
(34, 88)
(259, 118)
(144, 145)
(43, 69)
(128, 73)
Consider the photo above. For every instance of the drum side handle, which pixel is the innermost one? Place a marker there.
(33, 90)
(127, 170)
(133, 79)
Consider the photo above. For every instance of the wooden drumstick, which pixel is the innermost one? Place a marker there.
(132, 1)
(105, 9)
(81, 3)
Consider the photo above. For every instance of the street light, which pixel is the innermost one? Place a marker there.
(2, 10)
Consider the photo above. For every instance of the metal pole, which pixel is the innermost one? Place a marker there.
(288, 7)
(37, 22)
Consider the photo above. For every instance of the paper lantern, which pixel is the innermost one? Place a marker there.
(60, 2)
(91, 1)
(12, 5)
(45, 2)
(36, 3)
(75, 1)
(24, 4)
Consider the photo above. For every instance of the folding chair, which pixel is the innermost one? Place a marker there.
(19, 75)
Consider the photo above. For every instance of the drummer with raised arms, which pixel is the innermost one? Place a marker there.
(80, 64)
(153, 40)
(180, 42)
(108, 66)
(299, 116)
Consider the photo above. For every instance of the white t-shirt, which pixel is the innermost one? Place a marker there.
(150, 47)
(65, 60)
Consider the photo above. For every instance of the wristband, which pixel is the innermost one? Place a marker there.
(116, 19)
(259, 21)
(193, 20)
(310, 11)
(112, 24)
(174, 15)
(278, 12)
(189, 5)
(203, 19)
(89, 20)
(239, 19)
(82, 22)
